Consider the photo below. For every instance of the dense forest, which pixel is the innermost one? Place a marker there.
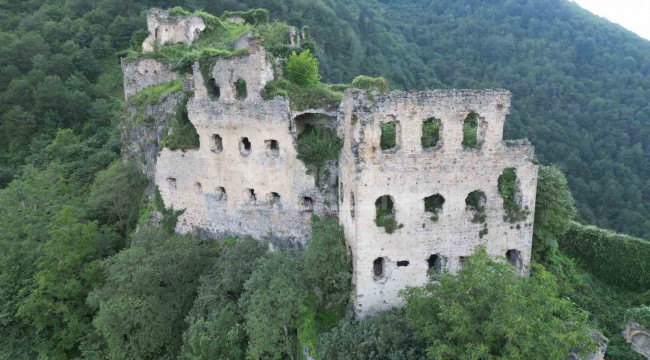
(77, 281)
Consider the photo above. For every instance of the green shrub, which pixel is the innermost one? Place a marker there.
(475, 201)
(155, 94)
(554, 211)
(487, 311)
(617, 259)
(388, 135)
(240, 89)
(138, 38)
(509, 188)
(181, 134)
(253, 16)
(640, 315)
(302, 69)
(179, 11)
(170, 216)
(470, 131)
(278, 87)
(386, 335)
(318, 145)
(385, 214)
(368, 83)
(430, 132)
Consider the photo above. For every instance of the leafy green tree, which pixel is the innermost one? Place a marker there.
(554, 211)
(68, 269)
(273, 303)
(116, 195)
(302, 69)
(217, 329)
(386, 335)
(149, 289)
(328, 267)
(487, 311)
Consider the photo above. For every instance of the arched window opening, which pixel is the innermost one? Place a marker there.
(245, 146)
(388, 140)
(514, 258)
(385, 213)
(430, 133)
(220, 194)
(240, 89)
(436, 263)
(510, 192)
(470, 131)
(217, 144)
(308, 203)
(433, 205)
(251, 198)
(213, 89)
(274, 199)
(378, 268)
(476, 201)
(272, 148)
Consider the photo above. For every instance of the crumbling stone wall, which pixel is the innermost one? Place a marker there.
(410, 173)
(638, 337)
(168, 29)
(232, 186)
(142, 73)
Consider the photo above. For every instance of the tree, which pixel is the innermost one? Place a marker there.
(115, 197)
(149, 289)
(273, 303)
(554, 211)
(216, 323)
(68, 269)
(302, 69)
(386, 335)
(487, 311)
(327, 264)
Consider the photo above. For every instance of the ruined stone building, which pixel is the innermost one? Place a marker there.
(414, 207)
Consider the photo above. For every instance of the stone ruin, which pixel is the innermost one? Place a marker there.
(165, 28)
(246, 180)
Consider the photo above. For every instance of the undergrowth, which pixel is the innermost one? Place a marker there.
(304, 97)
(181, 134)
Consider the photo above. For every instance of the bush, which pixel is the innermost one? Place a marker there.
(302, 69)
(554, 211)
(115, 197)
(487, 311)
(430, 133)
(617, 259)
(181, 134)
(640, 315)
(148, 290)
(508, 189)
(384, 336)
(318, 145)
(368, 83)
(327, 264)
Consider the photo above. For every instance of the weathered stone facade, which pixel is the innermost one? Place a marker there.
(386, 263)
(246, 178)
(169, 29)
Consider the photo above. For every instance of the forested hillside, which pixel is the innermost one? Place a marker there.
(77, 281)
(579, 83)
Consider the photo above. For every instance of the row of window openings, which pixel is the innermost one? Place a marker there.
(272, 146)
(272, 199)
(431, 129)
(385, 207)
(437, 263)
(215, 91)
